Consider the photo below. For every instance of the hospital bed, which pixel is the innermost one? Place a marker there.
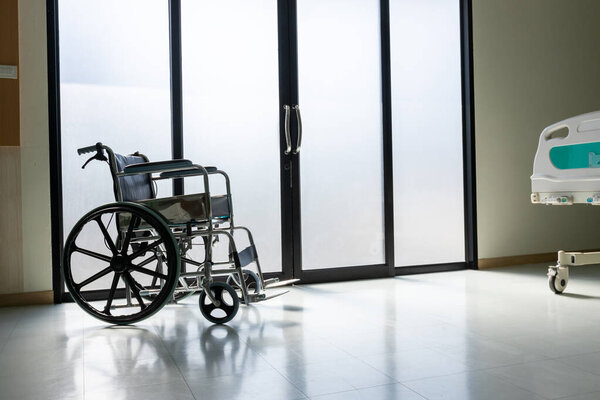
(566, 171)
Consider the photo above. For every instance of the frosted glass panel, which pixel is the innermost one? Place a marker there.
(114, 74)
(231, 109)
(339, 67)
(427, 132)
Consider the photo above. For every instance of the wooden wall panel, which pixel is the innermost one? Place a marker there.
(26, 299)
(11, 237)
(9, 88)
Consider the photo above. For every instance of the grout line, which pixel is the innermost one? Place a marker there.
(498, 377)
(279, 372)
(329, 394)
(173, 360)
(415, 392)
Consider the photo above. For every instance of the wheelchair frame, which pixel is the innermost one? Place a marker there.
(182, 234)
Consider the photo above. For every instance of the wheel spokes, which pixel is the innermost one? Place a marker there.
(153, 245)
(132, 223)
(93, 254)
(217, 293)
(107, 238)
(148, 261)
(94, 277)
(224, 306)
(111, 293)
(134, 287)
(227, 308)
(131, 249)
(210, 307)
(155, 274)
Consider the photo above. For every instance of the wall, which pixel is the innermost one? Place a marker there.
(536, 62)
(35, 175)
(25, 244)
(11, 262)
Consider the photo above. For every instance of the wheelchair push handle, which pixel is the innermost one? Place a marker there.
(98, 148)
(89, 149)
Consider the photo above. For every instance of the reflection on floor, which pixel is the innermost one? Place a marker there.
(497, 334)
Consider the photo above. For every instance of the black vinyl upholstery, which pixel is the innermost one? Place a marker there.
(134, 187)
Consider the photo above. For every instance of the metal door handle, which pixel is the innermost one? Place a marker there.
(299, 121)
(286, 126)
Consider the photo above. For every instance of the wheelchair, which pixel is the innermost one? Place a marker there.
(137, 248)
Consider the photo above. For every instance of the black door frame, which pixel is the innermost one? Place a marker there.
(288, 62)
(290, 195)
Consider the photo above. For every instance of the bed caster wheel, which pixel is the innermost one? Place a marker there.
(558, 278)
(252, 283)
(227, 307)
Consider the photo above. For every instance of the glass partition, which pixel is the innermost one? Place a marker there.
(115, 89)
(427, 132)
(231, 109)
(339, 89)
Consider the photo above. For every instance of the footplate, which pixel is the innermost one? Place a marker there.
(274, 283)
(256, 297)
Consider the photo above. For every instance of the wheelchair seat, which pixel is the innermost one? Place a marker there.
(176, 210)
(189, 208)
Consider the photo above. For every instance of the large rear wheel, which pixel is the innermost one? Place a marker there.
(115, 256)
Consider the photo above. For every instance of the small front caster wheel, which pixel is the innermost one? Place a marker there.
(252, 283)
(558, 278)
(227, 307)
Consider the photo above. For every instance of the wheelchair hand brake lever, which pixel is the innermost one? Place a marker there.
(87, 162)
(98, 156)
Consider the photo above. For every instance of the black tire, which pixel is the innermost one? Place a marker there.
(228, 307)
(120, 263)
(252, 283)
(557, 287)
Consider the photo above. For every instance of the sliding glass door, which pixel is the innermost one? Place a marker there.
(230, 109)
(427, 132)
(114, 89)
(341, 158)
(295, 118)
(342, 124)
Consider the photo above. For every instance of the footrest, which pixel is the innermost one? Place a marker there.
(270, 284)
(264, 296)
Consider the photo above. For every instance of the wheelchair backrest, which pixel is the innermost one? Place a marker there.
(134, 187)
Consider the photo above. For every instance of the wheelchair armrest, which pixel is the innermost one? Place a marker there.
(157, 166)
(187, 172)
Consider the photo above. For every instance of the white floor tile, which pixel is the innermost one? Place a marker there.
(587, 362)
(385, 392)
(497, 334)
(265, 385)
(163, 391)
(415, 364)
(334, 376)
(472, 385)
(549, 378)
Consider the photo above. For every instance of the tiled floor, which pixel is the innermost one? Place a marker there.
(496, 334)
